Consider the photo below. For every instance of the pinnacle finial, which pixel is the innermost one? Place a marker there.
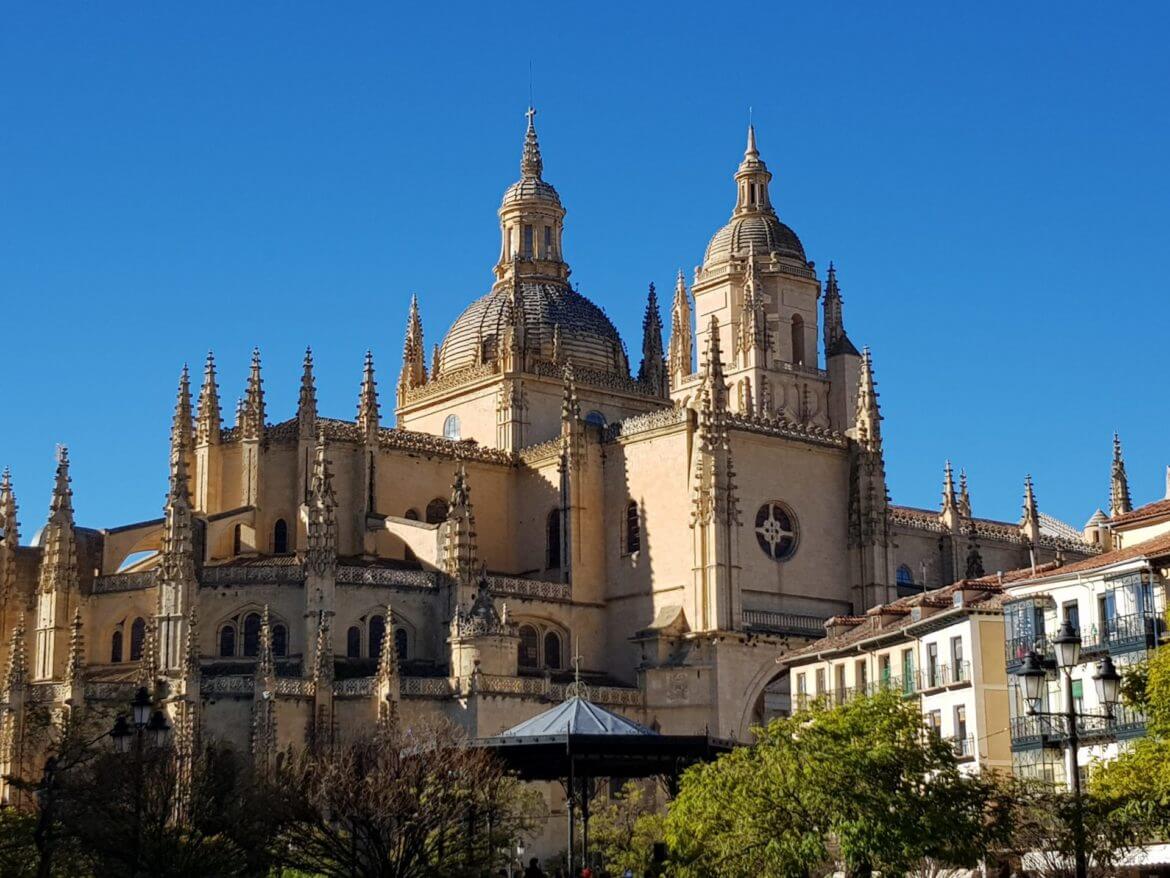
(751, 152)
(9, 526)
(207, 423)
(307, 400)
(1119, 498)
(531, 164)
(367, 411)
(253, 410)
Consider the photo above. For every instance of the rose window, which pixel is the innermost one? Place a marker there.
(776, 531)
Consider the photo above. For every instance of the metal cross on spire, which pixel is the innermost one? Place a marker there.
(577, 689)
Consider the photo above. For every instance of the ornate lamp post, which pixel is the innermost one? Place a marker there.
(1034, 676)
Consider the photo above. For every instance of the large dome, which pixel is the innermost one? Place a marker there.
(587, 338)
(763, 230)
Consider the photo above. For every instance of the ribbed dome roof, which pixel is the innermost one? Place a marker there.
(587, 337)
(764, 230)
(531, 189)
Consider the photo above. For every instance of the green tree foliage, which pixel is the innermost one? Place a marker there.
(862, 786)
(1138, 781)
(625, 830)
(1042, 839)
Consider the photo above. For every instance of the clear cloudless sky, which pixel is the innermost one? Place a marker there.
(991, 180)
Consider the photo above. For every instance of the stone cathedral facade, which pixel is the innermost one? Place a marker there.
(538, 507)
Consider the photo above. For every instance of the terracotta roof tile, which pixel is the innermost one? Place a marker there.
(1150, 510)
(1155, 547)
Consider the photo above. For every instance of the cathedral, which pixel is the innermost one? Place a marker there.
(536, 510)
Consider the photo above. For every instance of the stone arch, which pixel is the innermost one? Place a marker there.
(767, 673)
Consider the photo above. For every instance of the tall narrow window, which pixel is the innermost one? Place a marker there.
(227, 641)
(400, 643)
(252, 634)
(552, 651)
(527, 251)
(353, 642)
(633, 529)
(279, 537)
(237, 541)
(797, 339)
(377, 635)
(437, 511)
(137, 636)
(279, 640)
(529, 647)
(552, 531)
(116, 647)
(548, 250)
(451, 428)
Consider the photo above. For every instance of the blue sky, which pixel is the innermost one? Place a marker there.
(990, 179)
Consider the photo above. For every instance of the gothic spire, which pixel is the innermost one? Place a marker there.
(652, 372)
(75, 665)
(323, 652)
(682, 339)
(531, 165)
(836, 339)
(177, 552)
(964, 495)
(321, 529)
(714, 384)
(414, 352)
(59, 560)
(1119, 501)
(9, 526)
(753, 326)
(752, 179)
(950, 502)
(182, 442)
(207, 425)
(435, 356)
(461, 559)
(388, 658)
(307, 401)
(367, 410)
(17, 671)
(1030, 521)
(868, 419)
(265, 661)
(254, 419)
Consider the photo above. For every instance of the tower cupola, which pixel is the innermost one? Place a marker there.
(532, 219)
(752, 179)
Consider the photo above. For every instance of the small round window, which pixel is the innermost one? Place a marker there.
(776, 530)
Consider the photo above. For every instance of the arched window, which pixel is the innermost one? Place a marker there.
(400, 643)
(529, 647)
(633, 528)
(552, 651)
(116, 647)
(227, 641)
(552, 551)
(353, 642)
(137, 636)
(596, 418)
(905, 575)
(437, 511)
(279, 537)
(411, 515)
(252, 634)
(237, 540)
(377, 635)
(798, 340)
(451, 428)
(279, 640)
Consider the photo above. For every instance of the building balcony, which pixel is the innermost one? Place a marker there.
(964, 748)
(1032, 732)
(944, 676)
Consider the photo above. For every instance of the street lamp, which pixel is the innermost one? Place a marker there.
(121, 734)
(1033, 674)
(141, 706)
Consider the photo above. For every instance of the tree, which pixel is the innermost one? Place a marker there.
(1138, 780)
(862, 785)
(398, 804)
(625, 830)
(1042, 822)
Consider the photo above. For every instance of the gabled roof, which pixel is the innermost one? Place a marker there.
(1150, 510)
(1156, 547)
(576, 717)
